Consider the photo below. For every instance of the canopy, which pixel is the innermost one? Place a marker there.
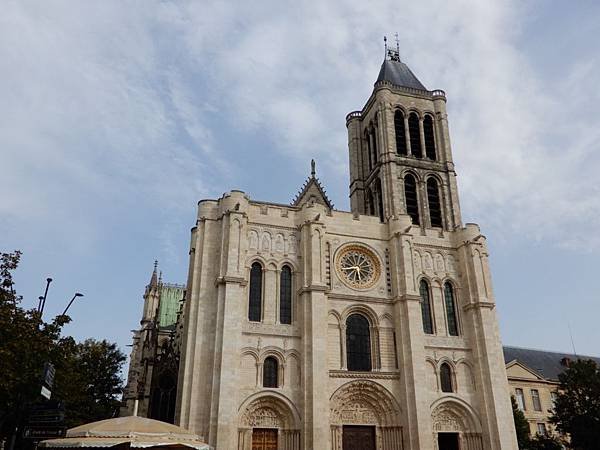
(136, 432)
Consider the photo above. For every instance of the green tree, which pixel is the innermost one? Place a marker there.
(548, 442)
(577, 406)
(87, 373)
(521, 425)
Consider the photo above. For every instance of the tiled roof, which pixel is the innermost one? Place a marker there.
(547, 364)
(398, 73)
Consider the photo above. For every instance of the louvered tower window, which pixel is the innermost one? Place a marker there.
(285, 295)
(400, 133)
(433, 199)
(426, 307)
(374, 145)
(446, 378)
(368, 145)
(415, 135)
(270, 369)
(255, 293)
(429, 137)
(358, 343)
(379, 196)
(450, 310)
(412, 202)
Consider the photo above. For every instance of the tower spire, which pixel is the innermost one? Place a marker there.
(313, 170)
(153, 278)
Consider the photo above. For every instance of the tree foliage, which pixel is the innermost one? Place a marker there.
(521, 425)
(548, 442)
(87, 373)
(577, 406)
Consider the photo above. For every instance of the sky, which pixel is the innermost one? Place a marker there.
(116, 117)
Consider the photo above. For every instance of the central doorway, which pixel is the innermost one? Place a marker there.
(355, 437)
(264, 439)
(448, 441)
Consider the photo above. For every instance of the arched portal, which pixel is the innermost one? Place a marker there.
(364, 411)
(455, 426)
(268, 421)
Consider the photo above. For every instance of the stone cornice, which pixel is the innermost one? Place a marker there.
(354, 298)
(231, 280)
(479, 305)
(313, 288)
(364, 375)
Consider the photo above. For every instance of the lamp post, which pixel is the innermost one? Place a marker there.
(77, 294)
(43, 299)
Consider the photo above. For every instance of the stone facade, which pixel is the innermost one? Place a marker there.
(399, 398)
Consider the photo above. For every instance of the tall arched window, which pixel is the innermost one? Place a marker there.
(369, 153)
(450, 310)
(414, 135)
(285, 295)
(358, 343)
(379, 196)
(164, 394)
(412, 202)
(433, 199)
(270, 369)
(255, 295)
(429, 137)
(374, 144)
(400, 133)
(446, 378)
(426, 307)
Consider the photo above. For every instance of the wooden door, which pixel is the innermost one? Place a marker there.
(358, 438)
(264, 439)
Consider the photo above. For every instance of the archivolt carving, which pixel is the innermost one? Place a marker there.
(269, 412)
(452, 416)
(364, 402)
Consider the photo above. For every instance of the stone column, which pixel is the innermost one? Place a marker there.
(314, 332)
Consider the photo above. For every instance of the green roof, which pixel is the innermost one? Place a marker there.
(170, 296)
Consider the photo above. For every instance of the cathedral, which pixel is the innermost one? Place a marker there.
(306, 327)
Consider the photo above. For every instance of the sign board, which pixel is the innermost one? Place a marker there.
(47, 432)
(46, 392)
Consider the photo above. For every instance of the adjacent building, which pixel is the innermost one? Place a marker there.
(307, 327)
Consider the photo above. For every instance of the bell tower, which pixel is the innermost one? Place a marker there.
(400, 154)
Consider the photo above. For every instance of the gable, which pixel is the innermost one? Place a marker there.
(518, 370)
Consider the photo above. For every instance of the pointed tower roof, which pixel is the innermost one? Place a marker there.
(394, 71)
(154, 277)
(312, 191)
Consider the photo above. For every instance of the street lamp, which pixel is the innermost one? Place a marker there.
(77, 294)
(43, 299)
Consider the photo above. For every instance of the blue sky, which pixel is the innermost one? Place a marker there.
(118, 116)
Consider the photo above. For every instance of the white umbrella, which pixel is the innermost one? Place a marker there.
(135, 432)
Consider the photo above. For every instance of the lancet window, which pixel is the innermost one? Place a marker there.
(270, 372)
(435, 206)
(285, 295)
(255, 293)
(426, 307)
(400, 133)
(446, 378)
(450, 310)
(414, 133)
(358, 343)
(429, 137)
(412, 202)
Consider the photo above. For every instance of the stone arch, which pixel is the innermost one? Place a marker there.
(452, 415)
(365, 402)
(360, 309)
(269, 410)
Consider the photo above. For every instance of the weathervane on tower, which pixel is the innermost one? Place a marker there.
(394, 55)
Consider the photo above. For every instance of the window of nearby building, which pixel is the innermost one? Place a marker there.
(520, 398)
(541, 429)
(446, 378)
(285, 295)
(270, 369)
(426, 307)
(535, 399)
(412, 202)
(358, 343)
(255, 293)
(554, 397)
(450, 310)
